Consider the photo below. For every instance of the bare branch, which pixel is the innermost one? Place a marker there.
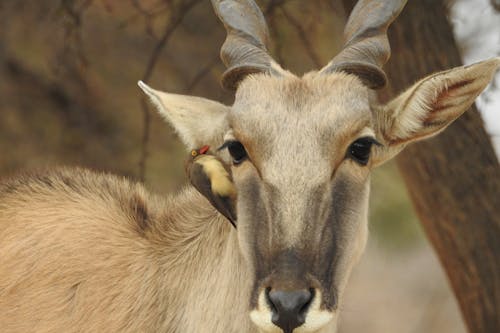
(270, 13)
(175, 21)
(201, 74)
(149, 14)
(309, 48)
(273, 5)
(278, 44)
(73, 45)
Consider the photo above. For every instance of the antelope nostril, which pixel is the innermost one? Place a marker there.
(306, 305)
(289, 307)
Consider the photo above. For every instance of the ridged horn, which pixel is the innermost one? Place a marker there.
(245, 48)
(366, 48)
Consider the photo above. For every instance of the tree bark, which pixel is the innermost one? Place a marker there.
(496, 4)
(453, 179)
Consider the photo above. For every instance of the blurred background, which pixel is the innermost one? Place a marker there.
(69, 96)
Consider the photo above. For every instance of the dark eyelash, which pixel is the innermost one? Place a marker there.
(226, 144)
(371, 140)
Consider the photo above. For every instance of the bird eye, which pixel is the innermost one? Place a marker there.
(360, 150)
(237, 151)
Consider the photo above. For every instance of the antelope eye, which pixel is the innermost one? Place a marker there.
(237, 151)
(360, 150)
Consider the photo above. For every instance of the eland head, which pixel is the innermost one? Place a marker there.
(299, 151)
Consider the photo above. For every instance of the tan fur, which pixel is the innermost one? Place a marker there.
(296, 132)
(76, 256)
(88, 252)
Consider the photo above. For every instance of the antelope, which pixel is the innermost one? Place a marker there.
(288, 165)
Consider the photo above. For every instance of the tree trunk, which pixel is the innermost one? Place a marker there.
(496, 4)
(453, 179)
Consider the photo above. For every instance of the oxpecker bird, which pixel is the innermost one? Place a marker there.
(212, 178)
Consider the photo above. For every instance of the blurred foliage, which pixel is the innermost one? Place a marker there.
(68, 93)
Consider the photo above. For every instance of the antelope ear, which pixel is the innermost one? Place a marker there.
(429, 106)
(198, 121)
